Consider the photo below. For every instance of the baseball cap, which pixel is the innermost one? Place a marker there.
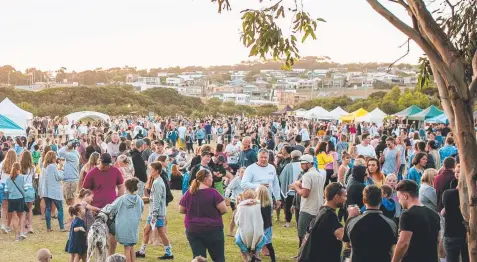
(221, 159)
(205, 153)
(106, 158)
(296, 153)
(306, 159)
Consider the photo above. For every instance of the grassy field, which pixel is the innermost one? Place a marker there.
(285, 240)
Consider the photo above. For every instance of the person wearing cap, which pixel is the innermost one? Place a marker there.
(310, 188)
(71, 171)
(44, 255)
(140, 169)
(288, 177)
(205, 159)
(103, 180)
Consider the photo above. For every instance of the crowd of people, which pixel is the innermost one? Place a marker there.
(358, 191)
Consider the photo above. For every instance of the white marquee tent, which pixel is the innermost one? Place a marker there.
(317, 112)
(376, 116)
(75, 117)
(300, 112)
(16, 114)
(338, 112)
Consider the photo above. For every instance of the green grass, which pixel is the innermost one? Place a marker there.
(285, 240)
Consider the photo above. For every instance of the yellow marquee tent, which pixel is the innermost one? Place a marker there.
(350, 117)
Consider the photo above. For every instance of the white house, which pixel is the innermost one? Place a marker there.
(175, 81)
(239, 99)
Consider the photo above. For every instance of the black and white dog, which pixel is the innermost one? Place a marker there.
(98, 238)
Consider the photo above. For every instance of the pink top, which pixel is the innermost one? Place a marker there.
(103, 184)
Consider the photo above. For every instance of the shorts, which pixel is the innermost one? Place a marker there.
(160, 222)
(303, 222)
(69, 190)
(16, 205)
(128, 244)
(233, 205)
(244, 248)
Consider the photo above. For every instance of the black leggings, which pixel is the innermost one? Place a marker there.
(190, 148)
(288, 205)
(271, 251)
(329, 179)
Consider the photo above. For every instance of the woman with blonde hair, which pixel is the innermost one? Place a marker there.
(6, 168)
(266, 209)
(28, 171)
(16, 199)
(50, 189)
(427, 192)
(93, 161)
(375, 176)
(124, 163)
(203, 207)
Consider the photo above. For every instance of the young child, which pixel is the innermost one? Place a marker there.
(127, 210)
(36, 154)
(85, 198)
(250, 235)
(234, 189)
(391, 181)
(76, 244)
(388, 206)
(266, 208)
(157, 213)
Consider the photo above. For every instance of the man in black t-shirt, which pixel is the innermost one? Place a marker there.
(371, 234)
(419, 227)
(326, 232)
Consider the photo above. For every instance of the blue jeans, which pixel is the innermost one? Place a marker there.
(59, 206)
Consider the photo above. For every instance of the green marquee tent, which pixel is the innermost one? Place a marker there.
(429, 112)
(408, 111)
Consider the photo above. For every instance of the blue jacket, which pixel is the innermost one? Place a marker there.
(50, 185)
(127, 210)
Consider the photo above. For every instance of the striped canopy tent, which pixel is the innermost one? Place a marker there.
(351, 117)
(408, 111)
(429, 112)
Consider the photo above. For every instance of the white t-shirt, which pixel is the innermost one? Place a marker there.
(366, 150)
(181, 130)
(315, 182)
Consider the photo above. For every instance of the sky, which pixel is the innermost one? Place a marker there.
(87, 34)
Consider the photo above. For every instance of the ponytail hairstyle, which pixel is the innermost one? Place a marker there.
(15, 171)
(200, 178)
(75, 209)
(156, 166)
(132, 184)
(84, 192)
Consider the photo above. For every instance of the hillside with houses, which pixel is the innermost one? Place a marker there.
(249, 83)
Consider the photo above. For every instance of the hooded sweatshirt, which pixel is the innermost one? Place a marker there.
(157, 206)
(356, 186)
(127, 210)
(250, 224)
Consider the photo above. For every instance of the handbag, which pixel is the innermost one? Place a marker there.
(25, 207)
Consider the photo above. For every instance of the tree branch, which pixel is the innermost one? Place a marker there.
(474, 65)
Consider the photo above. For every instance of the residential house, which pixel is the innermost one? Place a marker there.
(240, 75)
(174, 81)
(290, 97)
(239, 99)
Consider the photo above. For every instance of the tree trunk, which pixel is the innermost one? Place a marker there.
(465, 134)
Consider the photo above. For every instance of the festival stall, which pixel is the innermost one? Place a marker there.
(318, 112)
(440, 119)
(300, 112)
(338, 112)
(351, 117)
(283, 112)
(429, 112)
(75, 117)
(10, 128)
(408, 111)
(21, 117)
(376, 116)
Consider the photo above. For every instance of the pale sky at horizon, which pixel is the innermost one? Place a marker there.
(87, 34)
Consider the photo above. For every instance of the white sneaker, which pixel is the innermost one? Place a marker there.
(6, 229)
(22, 236)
